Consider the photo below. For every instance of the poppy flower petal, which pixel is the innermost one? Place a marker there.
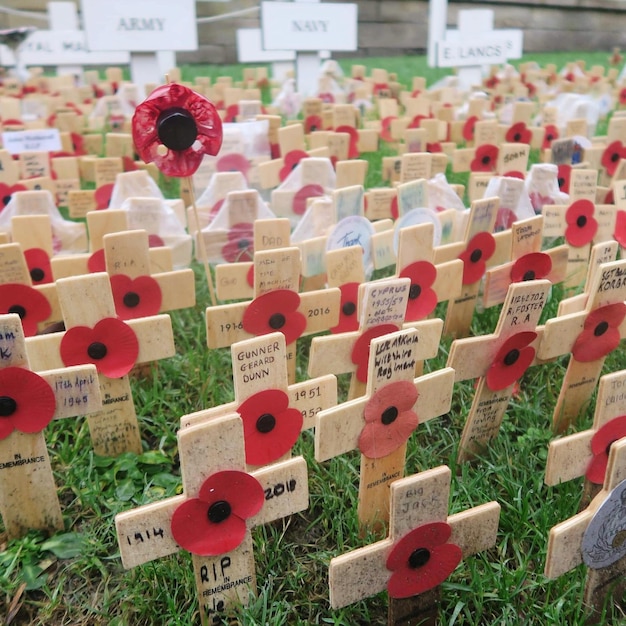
(243, 492)
(303, 194)
(469, 127)
(102, 196)
(348, 319)
(291, 160)
(134, 298)
(97, 262)
(233, 163)
(422, 299)
(400, 394)
(601, 442)
(564, 173)
(582, 226)
(378, 440)
(485, 158)
(612, 155)
(39, 267)
(620, 228)
(275, 311)
(32, 306)
(479, 250)
(361, 349)
(511, 361)
(531, 266)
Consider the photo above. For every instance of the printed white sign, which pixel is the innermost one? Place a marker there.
(140, 25)
(250, 48)
(483, 51)
(44, 140)
(308, 26)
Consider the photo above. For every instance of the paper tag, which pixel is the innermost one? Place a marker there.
(44, 140)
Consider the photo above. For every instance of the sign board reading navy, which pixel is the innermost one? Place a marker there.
(308, 26)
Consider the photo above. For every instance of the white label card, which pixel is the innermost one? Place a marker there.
(44, 140)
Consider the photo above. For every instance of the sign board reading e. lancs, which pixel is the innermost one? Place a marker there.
(491, 49)
(140, 25)
(309, 26)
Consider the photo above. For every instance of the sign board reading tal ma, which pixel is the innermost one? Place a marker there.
(140, 25)
(309, 26)
(43, 140)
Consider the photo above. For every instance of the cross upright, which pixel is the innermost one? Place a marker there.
(420, 529)
(28, 402)
(595, 537)
(277, 306)
(345, 271)
(498, 361)
(213, 516)
(380, 422)
(589, 335)
(95, 335)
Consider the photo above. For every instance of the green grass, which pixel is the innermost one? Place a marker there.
(76, 577)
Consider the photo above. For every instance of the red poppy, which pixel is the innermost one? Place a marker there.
(270, 426)
(564, 173)
(216, 207)
(492, 82)
(620, 228)
(139, 297)
(511, 361)
(601, 441)
(240, 246)
(233, 163)
(353, 149)
(128, 164)
(275, 311)
(600, 334)
(154, 241)
(291, 160)
(531, 266)
(417, 121)
(470, 127)
(622, 96)
(38, 263)
(609, 198)
(389, 419)
(215, 522)
(175, 127)
(27, 402)
(361, 349)
(422, 560)
(612, 155)
(97, 262)
(275, 150)
(422, 299)
(385, 128)
(232, 111)
(103, 196)
(532, 89)
(326, 97)
(27, 302)
(395, 211)
(7, 191)
(478, 251)
(303, 194)
(250, 276)
(505, 218)
(485, 158)
(581, 225)
(381, 90)
(111, 345)
(551, 133)
(313, 123)
(519, 133)
(348, 320)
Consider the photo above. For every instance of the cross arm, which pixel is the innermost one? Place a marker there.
(76, 389)
(332, 351)
(475, 530)
(471, 357)
(565, 544)
(428, 337)
(568, 457)
(178, 289)
(448, 283)
(560, 334)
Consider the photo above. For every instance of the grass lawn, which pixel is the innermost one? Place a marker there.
(76, 577)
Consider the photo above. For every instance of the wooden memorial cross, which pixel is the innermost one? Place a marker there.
(379, 423)
(589, 335)
(381, 310)
(260, 377)
(28, 402)
(498, 360)
(420, 529)
(479, 250)
(345, 270)
(34, 234)
(528, 262)
(213, 516)
(595, 537)
(277, 306)
(95, 335)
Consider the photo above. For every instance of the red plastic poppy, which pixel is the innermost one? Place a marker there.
(381, 90)
(601, 441)
(111, 345)
(385, 128)
(313, 123)
(361, 349)
(233, 163)
(154, 241)
(505, 218)
(128, 164)
(581, 224)
(215, 522)
(395, 211)
(564, 173)
(38, 263)
(551, 133)
(389, 419)
(27, 302)
(422, 560)
(240, 246)
(348, 320)
(416, 122)
(270, 426)
(622, 96)
(600, 334)
(232, 111)
(519, 133)
(609, 198)
(303, 194)
(275, 150)
(434, 147)
(97, 262)
(326, 97)
(275, 311)
(353, 148)
(7, 191)
(470, 127)
(532, 89)
(250, 276)
(27, 402)
(512, 360)
(620, 228)
(485, 158)
(291, 160)
(102, 196)
(612, 155)
(479, 250)
(422, 299)
(139, 297)
(531, 266)
(175, 127)
(492, 82)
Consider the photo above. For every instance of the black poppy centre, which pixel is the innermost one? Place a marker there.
(348, 308)
(581, 221)
(600, 329)
(131, 299)
(561, 181)
(242, 244)
(97, 350)
(414, 291)
(277, 321)
(419, 557)
(37, 274)
(517, 137)
(615, 157)
(486, 160)
(219, 511)
(511, 357)
(529, 275)
(6, 200)
(8, 406)
(19, 309)
(266, 423)
(476, 255)
(177, 129)
(389, 415)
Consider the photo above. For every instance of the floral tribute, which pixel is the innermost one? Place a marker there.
(611, 432)
(290, 162)
(485, 158)
(612, 155)
(135, 297)
(563, 176)
(38, 263)
(581, 224)
(600, 334)
(32, 306)
(312, 190)
(519, 133)
(361, 349)
(348, 320)
(275, 311)
(215, 522)
(240, 245)
(531, 266)
(475, 256)
(422, 299)
(422, 560)
(620, 228)
(512, 360)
